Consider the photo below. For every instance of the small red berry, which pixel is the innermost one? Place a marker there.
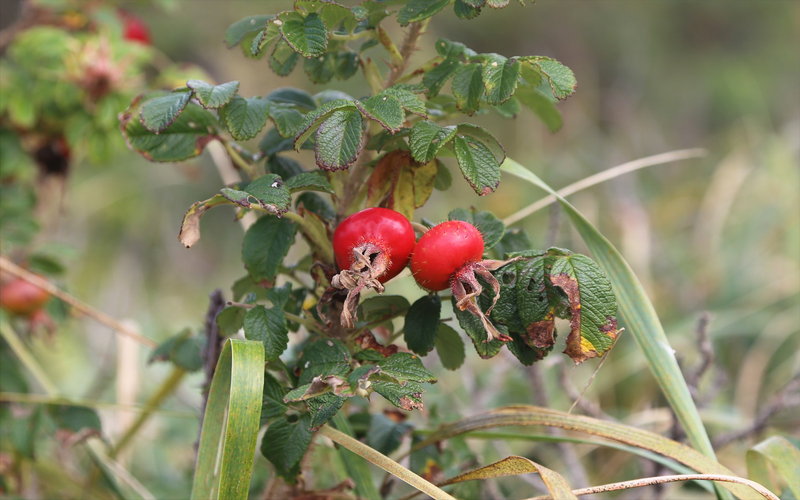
(134, 29)
(371, 247)
(376, 234)
(21, 297)
(442, 251)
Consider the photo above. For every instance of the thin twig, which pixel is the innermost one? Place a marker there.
(77, 305)
(589, 407)
(787, 397)
(649, 481)
(706, 354)
(605, 175)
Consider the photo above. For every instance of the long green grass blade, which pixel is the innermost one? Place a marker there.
(230, 425)
(525, 416)
(638, 313)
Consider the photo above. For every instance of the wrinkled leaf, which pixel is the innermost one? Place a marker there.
(267, 326)
(339, 140)
(213, 96)
(245, 117)
(160, 112)
(427, 139)
(306, 35)
(265, 246)
(285, 443)
(185, 138)
(478, 164)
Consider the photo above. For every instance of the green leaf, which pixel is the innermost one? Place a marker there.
(286, 118)
(638, 314)
(384, 109)
(464, 10)
(404, 366)
(183, 350)
(542, 106)
(384, 434)
(449, 347)
(467, 87)
(418, 10)
(230, 426)
(339, 140)
(784, 457)
(347, 64)
(435, 79)
(283, 58)
(213, 96)
(561, 78)
(484, 136)
(407, 396)
(323, 408)
(245, 117)
(272, 405)
(230, 320)
(500, 77)
(309, 181)
(295, 97)
(265, 245)
(491, 228)
(422, 321)
(267, 326)
(285, 443)
(185, 138)
(314, 119)
(593, 308)
(306, 35)
(159, 113)
(237, 31)
(190, 227)
(382, 307)
(323, 358)
(320, 69)
(443, 179)
(408, 99)
(75, 418)
(427, 139)
(478, 164)
(268, 193)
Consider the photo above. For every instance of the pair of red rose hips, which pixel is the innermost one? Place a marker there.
(374, 245)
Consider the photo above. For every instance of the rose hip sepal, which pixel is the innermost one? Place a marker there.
(450, 255)
(371, 247)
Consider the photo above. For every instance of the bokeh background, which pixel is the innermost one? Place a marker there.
(718, 235)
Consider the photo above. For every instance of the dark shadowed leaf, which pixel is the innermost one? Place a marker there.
(417, 10)
(384, 434)
(491, 228)
(285, 443)
(265, 245)
(230, 320)
(272, 405)
(422, 321)
(449, 347)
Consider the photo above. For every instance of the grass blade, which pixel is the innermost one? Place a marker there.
(638, 313)
(230, 425)
(783, 455)
(525, 416)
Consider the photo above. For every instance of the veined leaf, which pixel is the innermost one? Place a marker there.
(286, 118)
(427, 139)
(269, 327)
(467, 87)
(265, 245)
(339, 140)
(384, 109)
(418, 10)
(285, 443)
(407, 396)
(314, 119)
(593, 309)
(561, 78)
(408, 99)
(185, 138)
(306, 35)
(160, 112)
(309, 181)
(245, 117)
(268, 193)
(230, 425)
(213, 96)
(465, 10)
(294, 97)
(404, 367)
(638, 314)
(320, 69)
(500, 77)
(478, 164)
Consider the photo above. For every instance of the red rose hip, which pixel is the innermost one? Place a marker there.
(442, 251)
(23, 298)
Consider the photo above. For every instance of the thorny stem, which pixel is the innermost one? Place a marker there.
(409, 46)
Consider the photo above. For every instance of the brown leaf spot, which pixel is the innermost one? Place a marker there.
(575, 349)
(540, 334)
(409, 404)
(367, 341)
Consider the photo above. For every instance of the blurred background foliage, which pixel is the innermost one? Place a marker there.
(718, 235)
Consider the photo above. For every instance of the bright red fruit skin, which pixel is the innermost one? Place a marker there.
(134, 29)
(388, 230)
(442, 251)
(21, 297)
